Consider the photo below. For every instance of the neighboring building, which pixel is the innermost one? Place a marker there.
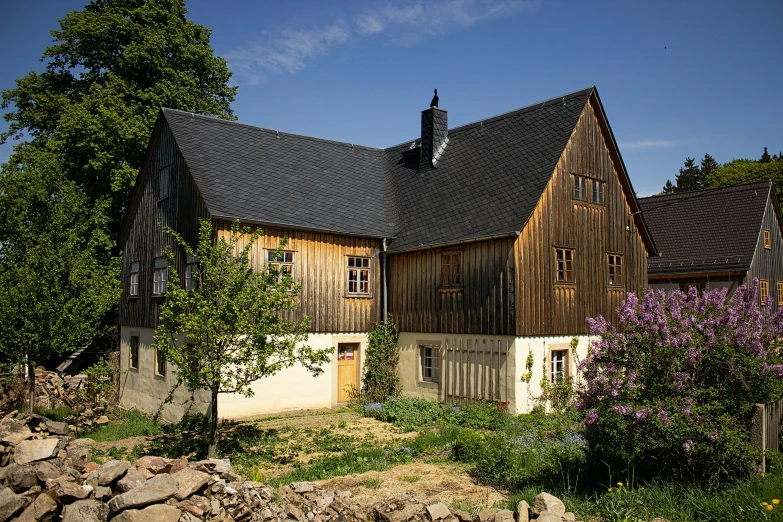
(717, 238)
(484, 242)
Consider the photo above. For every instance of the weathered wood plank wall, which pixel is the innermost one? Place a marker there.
(768, 262)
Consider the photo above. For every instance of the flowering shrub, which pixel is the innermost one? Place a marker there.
(671, 390)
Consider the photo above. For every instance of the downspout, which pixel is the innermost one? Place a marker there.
(385, 289)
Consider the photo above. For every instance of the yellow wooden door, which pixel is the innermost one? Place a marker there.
(347, 370)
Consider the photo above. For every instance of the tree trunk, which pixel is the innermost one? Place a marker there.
(213, 425)
(30, 386)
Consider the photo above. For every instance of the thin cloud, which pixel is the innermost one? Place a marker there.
(290, 50)
(647, 144)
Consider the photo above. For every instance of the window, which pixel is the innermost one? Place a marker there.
(160, 276)
(767, 240)
(764, 291)
(558, 368)
(133, 356)
(358, 276)
(133, 291)
(281, 263)
(430, 363)
(164, 183)
(780, 293)
(615, 270)
(191, 270)
(452, 268)
(565, 265)
(160, 363)
(588, 190)
(698, 285)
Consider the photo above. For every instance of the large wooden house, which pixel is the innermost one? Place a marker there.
(485, 242)
(718, 238)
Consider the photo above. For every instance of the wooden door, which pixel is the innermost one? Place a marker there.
(347, 370)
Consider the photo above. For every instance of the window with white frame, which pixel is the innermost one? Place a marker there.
(430, 362)
(133, 355)
(160, 276)
(282, 264)
(358, 276)
(160, 363)
(191, 272)
(133, 289)
(164, 183)
(558, 369)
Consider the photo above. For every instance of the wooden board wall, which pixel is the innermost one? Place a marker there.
(484, 305)
(546, 308)
(768, 263)
(320, 266)
(146, 241)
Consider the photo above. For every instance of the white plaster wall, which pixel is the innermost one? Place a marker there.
(291, 389)
(527, 392)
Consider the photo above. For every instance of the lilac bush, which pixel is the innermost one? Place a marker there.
(670, 392)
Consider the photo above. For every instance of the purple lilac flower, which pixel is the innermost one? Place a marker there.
(664, 416)
(592, 416)
(687, 446)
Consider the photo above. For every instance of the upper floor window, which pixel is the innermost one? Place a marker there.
(133, 289)
(615, 270)
(589, 190)
(281, 263)
(565, 265)
(164, 183)
(451, 268)
(133, 359)
(160, 276)
(780, 293)
(558, 369)
(767, 239)
(191, 272)
(358, 276)
(764, 291)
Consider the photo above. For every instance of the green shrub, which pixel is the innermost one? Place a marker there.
(380, 381)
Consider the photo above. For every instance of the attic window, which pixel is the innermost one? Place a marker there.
(589, 190)
(767, 240)
(164, 183)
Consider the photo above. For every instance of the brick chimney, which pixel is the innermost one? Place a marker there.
(434, 136)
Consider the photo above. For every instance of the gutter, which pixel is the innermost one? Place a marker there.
(457, 242)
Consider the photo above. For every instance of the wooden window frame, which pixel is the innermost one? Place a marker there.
(559, 355)
(780, 293)
(429, 363)
(133, 279)
(588, 190)
(160, 364)
(160, 276)
(451, 271)
(767, 239)
(133, 352)
(579, 186)
(191, 268)
(353, 276)
(562, 276)
(164, 183)
(763, 291)
(284, 262)
(616, 270)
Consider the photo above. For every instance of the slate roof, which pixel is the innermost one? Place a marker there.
(712, 230)
(487, 183)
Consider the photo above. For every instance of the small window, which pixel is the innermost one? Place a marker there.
(565, 265)
(191, 272)
(160, 276)
(615, 270)
(780, 293)
(164, 185)
(597, 193)
(558, 368)
(358, 276)
(430, 363)
(133, 356)
(160, 363)
(580, 188)
(764, 291)
(767, 239)
(589, 190)
(451, 268)
(133, 291)
(281, 263)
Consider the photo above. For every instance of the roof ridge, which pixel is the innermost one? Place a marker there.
(275, 131)
(696, 193)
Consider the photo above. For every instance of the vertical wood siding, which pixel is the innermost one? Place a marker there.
(320, 266)
(768, 263)
(484, 305)
(181, 211)
(593, 231)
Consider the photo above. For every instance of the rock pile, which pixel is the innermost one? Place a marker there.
(46, 475)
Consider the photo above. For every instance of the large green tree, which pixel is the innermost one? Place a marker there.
(231, 329)
(111, 67)
(747, 171)
(54, 284)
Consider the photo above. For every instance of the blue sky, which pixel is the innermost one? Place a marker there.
(676, 79)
